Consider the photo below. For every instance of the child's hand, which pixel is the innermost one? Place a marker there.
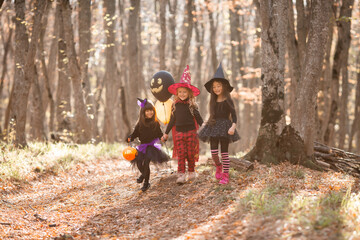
(164, 138)
(231, 131)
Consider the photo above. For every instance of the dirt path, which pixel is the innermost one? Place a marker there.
(100, 200)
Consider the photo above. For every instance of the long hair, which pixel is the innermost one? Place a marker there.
(213, 98)
(192, 103)
(142, 121)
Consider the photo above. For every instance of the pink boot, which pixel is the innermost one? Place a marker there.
(224, 178)
(218, 173)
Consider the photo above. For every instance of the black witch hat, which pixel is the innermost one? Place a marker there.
(219, 76)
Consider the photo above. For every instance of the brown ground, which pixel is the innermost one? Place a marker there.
(101, 200)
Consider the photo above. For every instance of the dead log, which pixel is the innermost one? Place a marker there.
(241, 164)
(337, 159)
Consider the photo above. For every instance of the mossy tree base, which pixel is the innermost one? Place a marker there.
(271, 148)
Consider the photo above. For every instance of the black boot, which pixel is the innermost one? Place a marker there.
(140, 179)
(145, 186)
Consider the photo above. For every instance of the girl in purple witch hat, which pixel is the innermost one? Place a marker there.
(147, 129)
(220, 129)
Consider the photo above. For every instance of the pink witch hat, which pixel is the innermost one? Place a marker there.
(185, 82)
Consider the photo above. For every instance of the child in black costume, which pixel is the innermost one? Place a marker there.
(148, 131)
(220, 129)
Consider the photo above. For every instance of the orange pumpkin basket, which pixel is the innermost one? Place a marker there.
(129, 153)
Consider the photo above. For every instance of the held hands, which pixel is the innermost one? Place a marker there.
(231, 131)
(164, 138)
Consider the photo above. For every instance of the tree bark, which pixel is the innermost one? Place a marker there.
(38, 113)
(346, 9)
(172, 25)
(301, 28)
(294, 60)
(162, 42)
(308, 88)
(199, 36)
(3, 73)
(325, 83)
(355, 127)
(214, 60)
(342, 48)
(63, 94)
(84, 54)
(273, 19)
(186, 46)
(83, 127)
(24, 75)
(133, 52)
(110, 71)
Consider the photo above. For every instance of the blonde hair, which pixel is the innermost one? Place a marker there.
(192, 103)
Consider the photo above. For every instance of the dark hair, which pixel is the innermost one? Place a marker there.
(213, 99)
(143, 122)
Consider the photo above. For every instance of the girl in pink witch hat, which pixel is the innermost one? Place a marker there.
(184, 122)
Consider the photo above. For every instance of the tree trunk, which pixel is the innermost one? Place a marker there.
(38, 113)
(133, 52)
(306, 96)
(342, 48)
(214, 60)
(346, 9)
(84, 54)
(294, 60)
(24, 75)
(199, 53)
(355, 127)
(172, 25)
(3, 73)
(110, 71)
(273, 19)
(123, 95)
(51, 73)
(236, 66)
(162, 42)
(186, 46)
(301, 28)
(325, 84)
(63, 94)
(83, 127)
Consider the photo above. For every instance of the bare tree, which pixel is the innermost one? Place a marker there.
(345, 27)
(186, 46)
(305, 107)
(272, 147)
(341, 52)
(24, 60)
(110, 71)
(355, 127)
(162, 43)
(84, 54)
(213, 27)
(133, 51)
(63, 94)
(172, 24)
(83, 127)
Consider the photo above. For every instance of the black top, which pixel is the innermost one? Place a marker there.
(224, 109)
(183, 119)
(146, 134)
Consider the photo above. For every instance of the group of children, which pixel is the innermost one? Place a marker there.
(185, 122)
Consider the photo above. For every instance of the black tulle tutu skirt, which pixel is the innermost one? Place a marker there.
(218, 130)
(152, 154)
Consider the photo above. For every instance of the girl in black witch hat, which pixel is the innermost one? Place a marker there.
(221, 125)
(148, 131)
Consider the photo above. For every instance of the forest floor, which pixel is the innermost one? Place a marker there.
(100, 199)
